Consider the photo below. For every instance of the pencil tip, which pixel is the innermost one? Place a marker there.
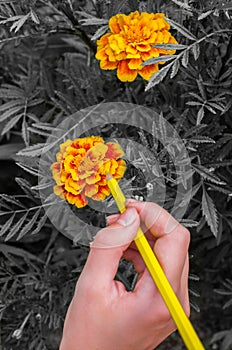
(108, 177)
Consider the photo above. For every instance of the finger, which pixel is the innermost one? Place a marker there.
(108, 247)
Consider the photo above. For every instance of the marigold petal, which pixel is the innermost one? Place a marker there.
(103, 181)
(59, 191)
(143, 47)
(79, 201)
(124, 73)
(114, 150)
(93, 179)
(113, 25)
(113, 166)
(134, 63)
(107, 65)
(63, 146)
(72, 186)
(147, 71)
(91, 190)
(120, 169)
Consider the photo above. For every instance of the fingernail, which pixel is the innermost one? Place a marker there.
(111, 218)
(128, 217)
(131, 200)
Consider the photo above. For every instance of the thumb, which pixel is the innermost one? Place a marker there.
(108, 247)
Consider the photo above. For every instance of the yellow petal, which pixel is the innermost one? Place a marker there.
(91, 190)
(93, 179)
(134, 63)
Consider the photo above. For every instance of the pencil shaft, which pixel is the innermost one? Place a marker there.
(181, 320)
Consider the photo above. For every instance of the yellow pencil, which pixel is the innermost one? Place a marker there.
(182, 322)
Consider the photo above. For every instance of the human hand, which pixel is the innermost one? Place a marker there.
(102, 314)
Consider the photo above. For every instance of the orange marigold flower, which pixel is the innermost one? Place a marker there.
(131, 42)
(81, 168)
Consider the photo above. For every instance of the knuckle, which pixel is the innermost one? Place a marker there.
(184, 237)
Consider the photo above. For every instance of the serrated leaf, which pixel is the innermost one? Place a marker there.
(40, 224)
(93, 21)
(155, 60)
(210, 109)
(12, 200)
(189, 222)
(7, 225)
(16, 227)
(175, 69)
(196, 51)
(201, 139)
(210, 212)
(194, 103)
(11, 123)
(195, 130)
(200, 115)
(170, 46)
(206, 174)
(204, 15)
(158, 77)
(100, 32)
(11, 91)
(11, 104)
(199, 98)
(181, 29)
(38, 131)
(185, 58)
(34, 17)
(32, 151)
(26, 187)
(217, 106)
(29, 225)
(25, 133)
(201, 88)
(11, 19)
(214, 187)
(30, 170)
(19, 23)
(183, 5)
(10, 112)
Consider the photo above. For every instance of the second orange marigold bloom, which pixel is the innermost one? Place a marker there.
(131, 42)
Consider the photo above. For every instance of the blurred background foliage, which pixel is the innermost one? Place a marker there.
(47, 72)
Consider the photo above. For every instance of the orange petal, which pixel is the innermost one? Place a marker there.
(147, 71)
(113, 25)
(102, 182)
(79, 201)
(124, 73)
(107, 65)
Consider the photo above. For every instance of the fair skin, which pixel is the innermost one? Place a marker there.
(102, 314)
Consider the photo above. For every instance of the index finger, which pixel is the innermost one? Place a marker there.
(172, 239)
(156, 219)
